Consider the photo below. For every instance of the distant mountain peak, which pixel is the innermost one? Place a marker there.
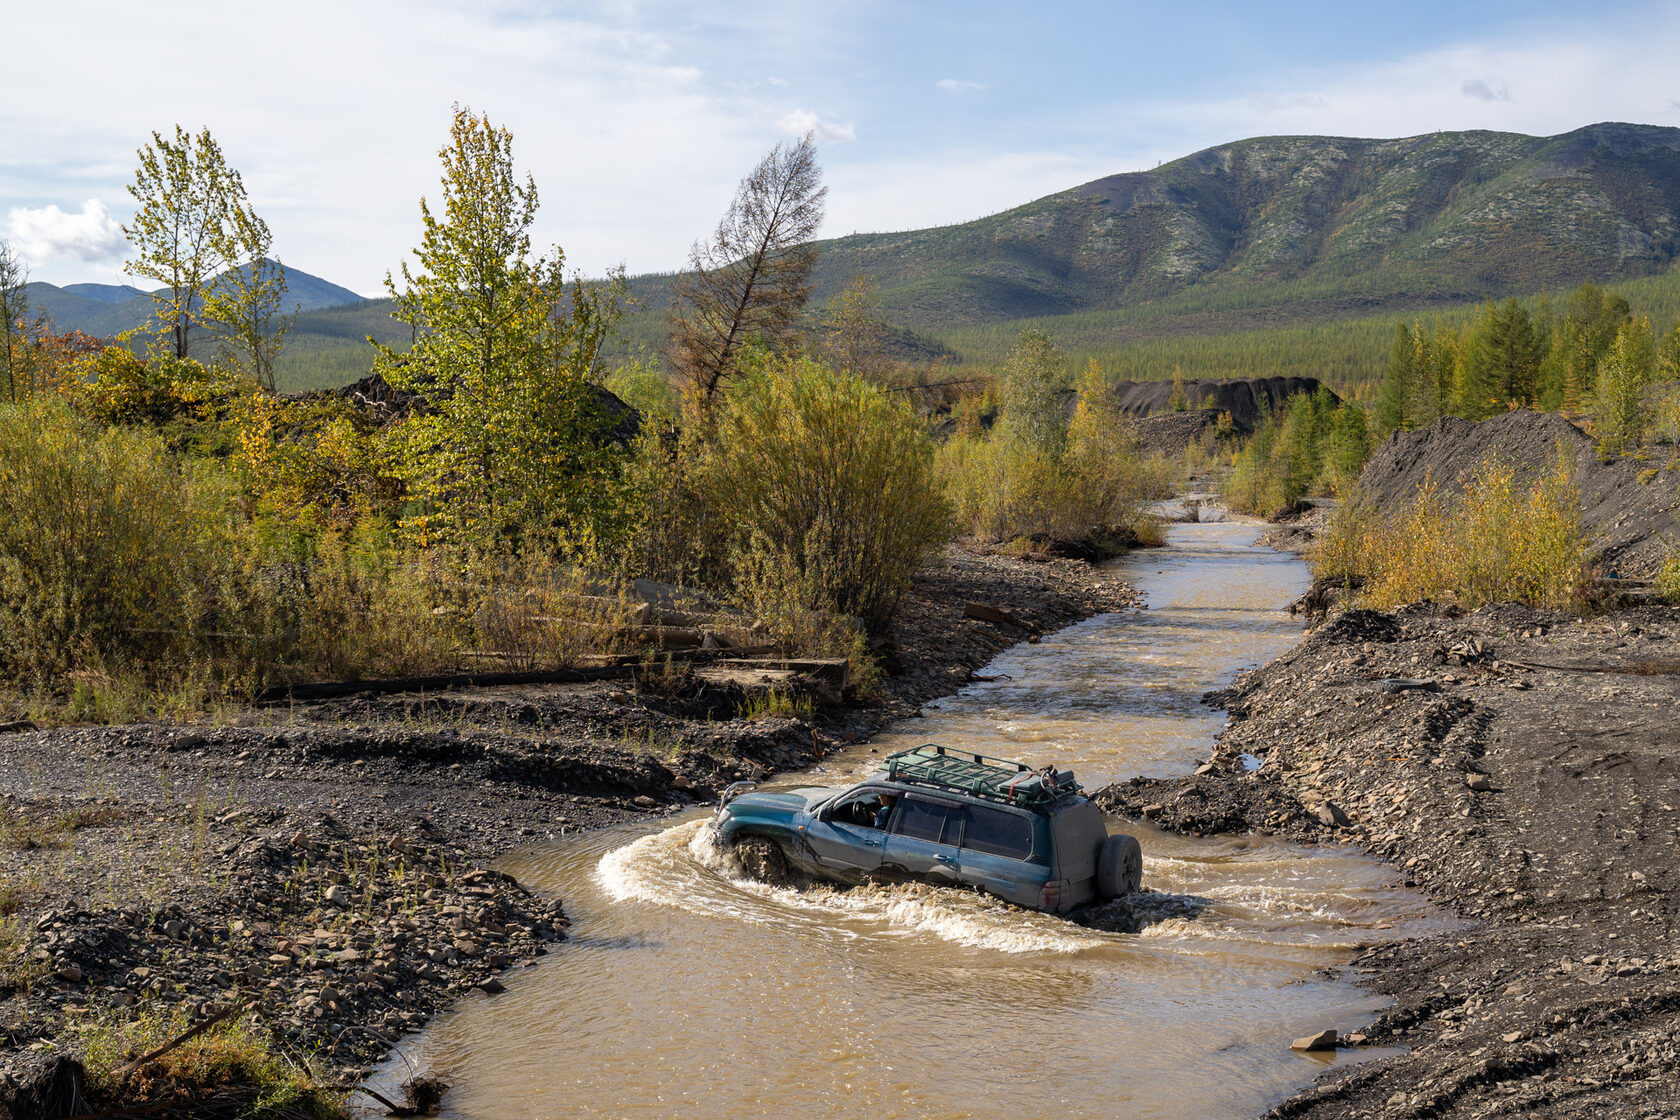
(107, 309)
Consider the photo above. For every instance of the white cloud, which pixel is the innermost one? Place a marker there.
(1482, 91)
(601, 111)
(47, 235)
(950, 185)
(959, 85)
(801, 121)
(1568, 81)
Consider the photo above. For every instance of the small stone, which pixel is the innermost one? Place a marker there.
(1514, 1036)
(1331, 813)
(70, 974)
(1323, 1040)
(1478, 782)
(337, 895)
(1355, 1039)
(491, 987)
(123, 999)
(619, 697)
(175, 930)
(465, 947)
(645, 802)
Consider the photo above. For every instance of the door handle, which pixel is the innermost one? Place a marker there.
(946, 859)
(872, 842)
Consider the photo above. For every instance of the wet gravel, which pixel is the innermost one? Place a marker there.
(1522, 768)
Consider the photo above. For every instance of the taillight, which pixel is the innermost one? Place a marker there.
(1051, 897)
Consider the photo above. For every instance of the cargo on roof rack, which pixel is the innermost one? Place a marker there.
(980, 775)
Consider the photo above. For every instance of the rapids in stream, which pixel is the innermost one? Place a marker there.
(687, 990)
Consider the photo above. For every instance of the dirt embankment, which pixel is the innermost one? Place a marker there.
(1523, 768)
(329, 860)
(1630, 506)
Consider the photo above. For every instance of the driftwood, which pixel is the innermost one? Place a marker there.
(827, 671)
(985, 612)
(184, 1038)
(442, 682)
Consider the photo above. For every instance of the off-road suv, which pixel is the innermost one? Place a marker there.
(946, 817)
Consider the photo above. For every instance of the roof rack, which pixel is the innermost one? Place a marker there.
(997, 779)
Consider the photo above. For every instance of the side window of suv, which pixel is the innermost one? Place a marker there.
(999, 832)
(925, 820)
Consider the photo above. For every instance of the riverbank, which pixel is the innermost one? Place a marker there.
(330, 860)
(1523, 768)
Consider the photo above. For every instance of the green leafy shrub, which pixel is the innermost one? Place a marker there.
(1668, 577)
(1081, 480)
(1313, 445)
(824, 486)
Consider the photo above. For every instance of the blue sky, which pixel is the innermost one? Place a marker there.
(638, 118)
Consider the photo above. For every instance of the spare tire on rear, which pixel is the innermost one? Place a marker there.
(1119, 867)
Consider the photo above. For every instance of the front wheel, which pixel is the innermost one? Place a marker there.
(763, 859)
(1119, 867)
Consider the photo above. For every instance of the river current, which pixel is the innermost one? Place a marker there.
(686, 990)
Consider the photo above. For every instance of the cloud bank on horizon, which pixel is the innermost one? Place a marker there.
(637, 118)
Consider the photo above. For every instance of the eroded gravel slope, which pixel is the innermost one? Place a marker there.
(1524, 769)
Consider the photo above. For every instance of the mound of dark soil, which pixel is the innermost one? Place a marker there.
(1243, 397)
(1629, 505)
(1170, 433)
(385, 404)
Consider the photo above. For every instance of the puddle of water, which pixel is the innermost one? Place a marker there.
(690, 990)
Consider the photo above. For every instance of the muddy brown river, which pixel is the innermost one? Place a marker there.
(687, 991)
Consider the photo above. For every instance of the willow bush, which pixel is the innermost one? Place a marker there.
(110, 550)
(823, 487)
(1495, 541)
(1073, 480)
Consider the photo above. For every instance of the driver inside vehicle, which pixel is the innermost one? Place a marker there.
(884, 813)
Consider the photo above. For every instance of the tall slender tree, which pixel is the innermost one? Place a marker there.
(14, 322)
(243, 307)
(752, 278)
(184, 194)
(511, 445)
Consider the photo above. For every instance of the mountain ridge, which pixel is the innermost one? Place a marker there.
(1446, 216)
(109, 309)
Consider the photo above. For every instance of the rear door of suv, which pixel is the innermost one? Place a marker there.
(998, 851)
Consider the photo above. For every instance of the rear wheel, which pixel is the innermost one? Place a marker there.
(1119, 867)
(763, 859)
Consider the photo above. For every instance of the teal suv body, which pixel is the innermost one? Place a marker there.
(945, 817)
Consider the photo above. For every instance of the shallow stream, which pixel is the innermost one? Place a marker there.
(687, 991)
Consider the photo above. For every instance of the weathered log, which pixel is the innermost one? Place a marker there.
(330, 690)
(985, 612)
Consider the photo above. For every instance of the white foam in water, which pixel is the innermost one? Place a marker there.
(668, 869)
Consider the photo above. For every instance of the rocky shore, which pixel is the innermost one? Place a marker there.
(328, 864)
(1523, 768)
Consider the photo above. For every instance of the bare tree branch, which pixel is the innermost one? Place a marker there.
(753, 277)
